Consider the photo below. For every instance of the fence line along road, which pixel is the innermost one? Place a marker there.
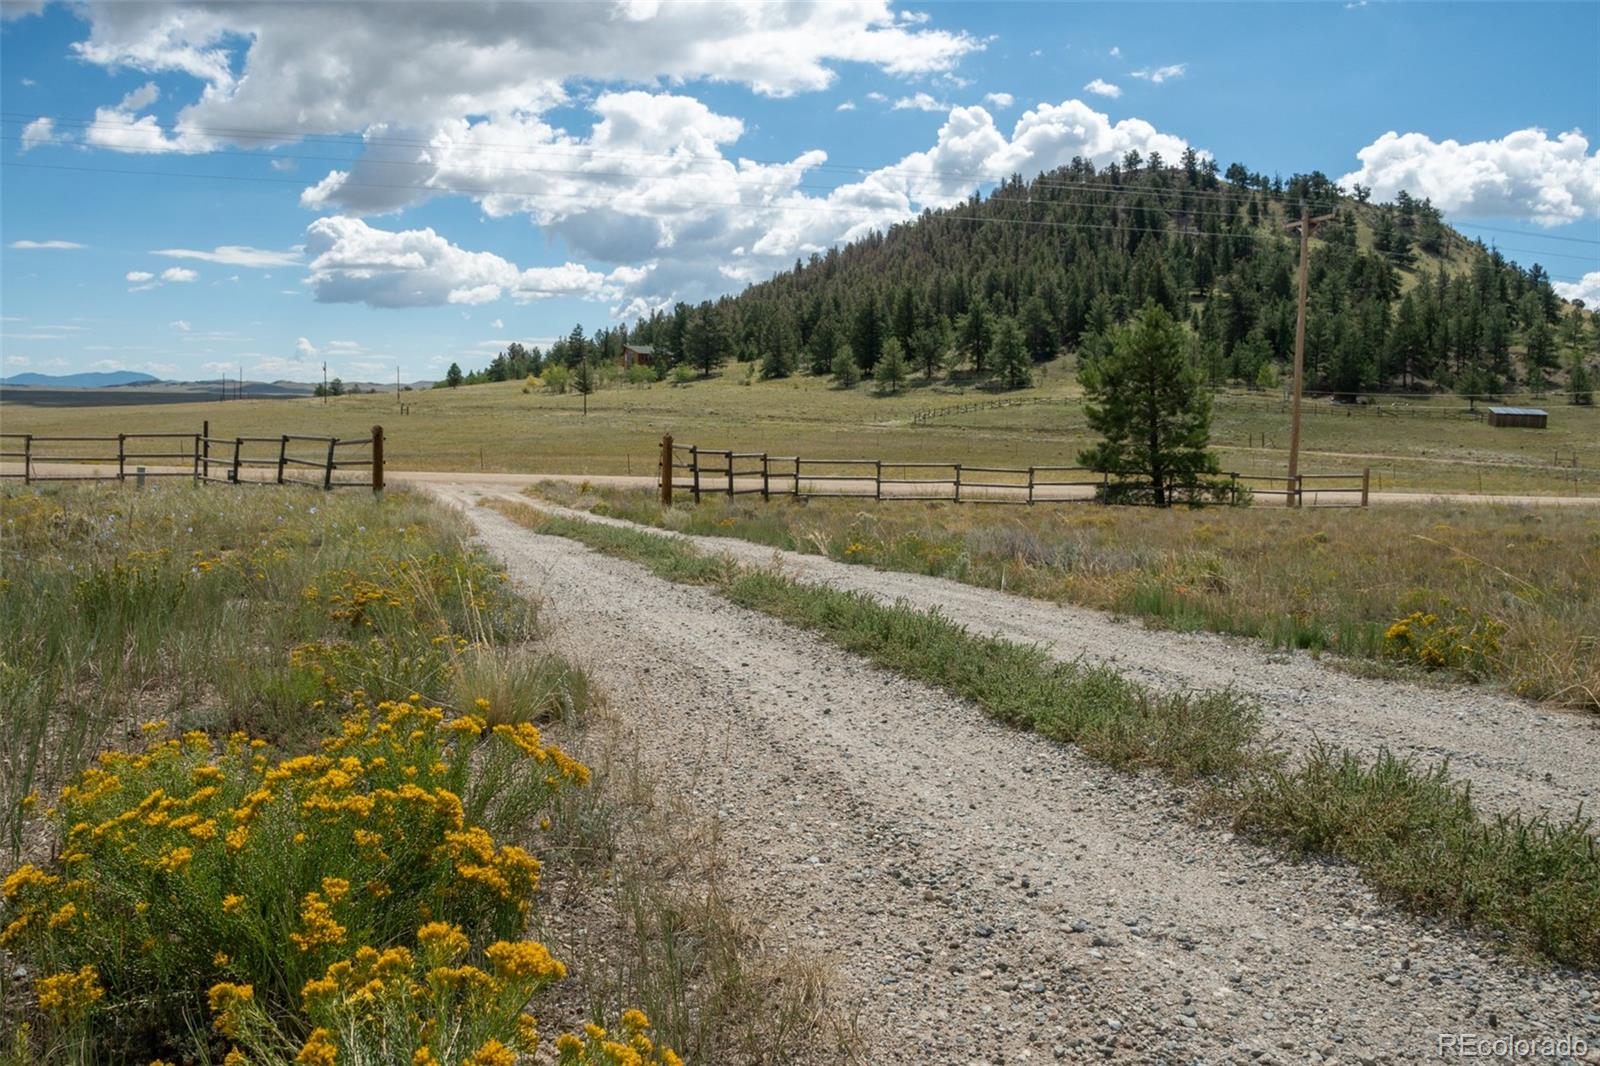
(287, 459)
(725, 472)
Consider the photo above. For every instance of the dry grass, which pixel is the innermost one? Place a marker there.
(497, 427)
(1324, 580)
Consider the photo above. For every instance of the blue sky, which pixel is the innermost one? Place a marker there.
(407, 185)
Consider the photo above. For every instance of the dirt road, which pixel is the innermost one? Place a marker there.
(986, 896)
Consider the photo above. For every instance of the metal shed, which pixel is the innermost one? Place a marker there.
(1530, 417)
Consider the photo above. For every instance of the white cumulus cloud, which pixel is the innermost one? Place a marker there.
(60, 246)
(179, 275)
(1101, 87)
(139, 275)
(353, 262)
(1527, 173)
(122, 129)
(1003, 101)
(1586, 289)
(920, 102)
(304, 348)
(40, 131)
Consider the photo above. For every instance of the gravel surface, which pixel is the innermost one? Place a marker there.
(1515, 754)
(985, 896)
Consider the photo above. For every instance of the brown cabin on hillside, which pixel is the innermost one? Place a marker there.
(638, 354)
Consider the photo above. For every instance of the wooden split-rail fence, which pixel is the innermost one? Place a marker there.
(288, 459)
(725, 472)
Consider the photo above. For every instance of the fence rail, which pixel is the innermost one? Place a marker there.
(200, 457)
(717, 472)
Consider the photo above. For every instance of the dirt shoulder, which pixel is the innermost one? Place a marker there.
(984, 895)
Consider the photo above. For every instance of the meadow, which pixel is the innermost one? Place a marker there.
(1478, 592)
(278, 783)
(502, 428)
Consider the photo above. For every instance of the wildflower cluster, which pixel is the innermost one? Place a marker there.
(296, 878)
(630, 1045)
(1457, 640)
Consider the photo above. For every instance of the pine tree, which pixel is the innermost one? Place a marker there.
(891, 372)
(975, 336)
(1038, 332)
(1580, 385)
(706, 341)
(585, 381)
(1009, 355)
(452, 376)
(846, 371)
(930, 346)
(1147, 402)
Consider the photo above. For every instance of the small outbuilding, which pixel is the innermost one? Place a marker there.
(638, 355)
(1526, 417)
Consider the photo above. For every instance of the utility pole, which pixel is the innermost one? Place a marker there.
(1305, 225)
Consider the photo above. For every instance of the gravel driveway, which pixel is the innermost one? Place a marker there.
(987, 896)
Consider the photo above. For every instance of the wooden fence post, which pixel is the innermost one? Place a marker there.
(666, 470)
(377, 459)
(327, 471)
(1030, 485)
(27, 458)
(730, 473)
(238, 446)
(205, 449)
(877, 479)
(694, 468)
(197, 459)
(1366, 483)
(958, 482)
(283, 455)
(766, 479)
(122, 457)
(1288, 493)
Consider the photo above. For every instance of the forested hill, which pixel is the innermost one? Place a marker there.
(1398, 298)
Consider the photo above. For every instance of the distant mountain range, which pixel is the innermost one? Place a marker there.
(91, 380)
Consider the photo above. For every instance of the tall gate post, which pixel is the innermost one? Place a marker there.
(27, 458)
(122, 457)
(666, 470)
(1366, 484)
(694, 469)
(377, 459)
(327, 470)
(283, 455)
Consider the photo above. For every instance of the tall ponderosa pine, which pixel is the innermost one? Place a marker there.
(846, 371)
(1038, 332)
(1147, 401)
(584, 381)
(706, 342)
(930, 347)
(891, 372)
(1009, 356)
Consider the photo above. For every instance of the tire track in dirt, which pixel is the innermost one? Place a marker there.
(1516, 754)
(987, 896)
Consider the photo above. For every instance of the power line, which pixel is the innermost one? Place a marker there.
(825, 209)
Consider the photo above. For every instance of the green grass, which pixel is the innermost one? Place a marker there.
(499, 428)
(1412, 831)
(1330, 581)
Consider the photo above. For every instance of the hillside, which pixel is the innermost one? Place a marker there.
(87, 380)
(1399, 299)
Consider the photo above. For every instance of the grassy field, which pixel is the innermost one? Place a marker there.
(1513, 595)
(1411, 830)
(312, 733)
(498, 427)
